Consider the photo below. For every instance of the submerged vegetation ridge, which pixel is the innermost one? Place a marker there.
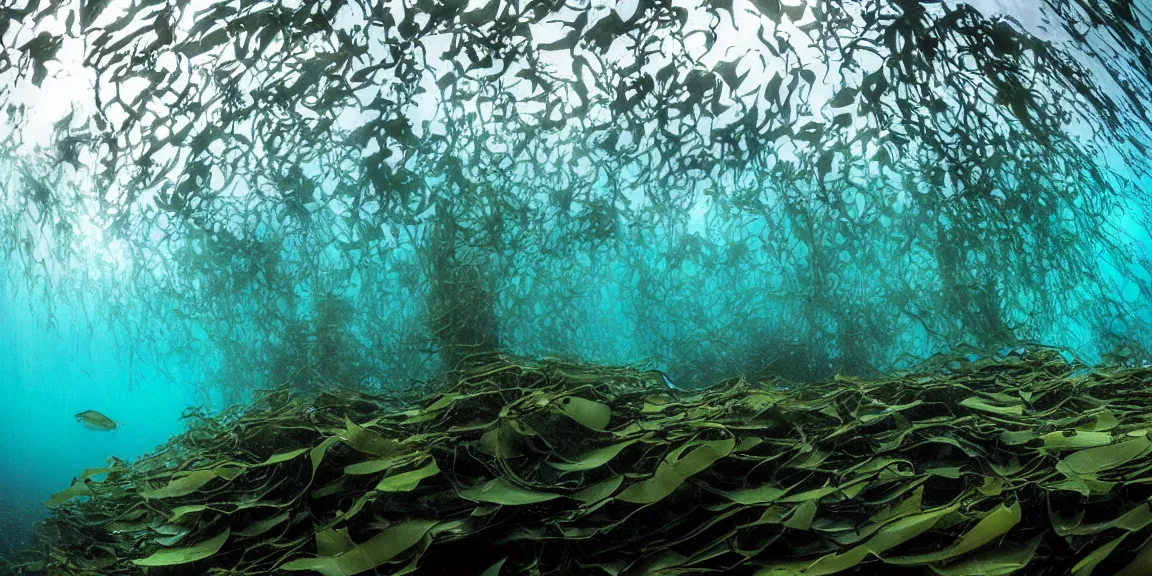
(969, 465)
(861, 183)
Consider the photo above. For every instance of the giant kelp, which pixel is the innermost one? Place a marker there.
(970, 465)
(521, 156)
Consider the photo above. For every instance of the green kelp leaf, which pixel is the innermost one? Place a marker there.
(703, 456)
(760, 495)
(1008, 558)
(810, 495)
(599, 490)
(992, 526)
(1016, 438)
(258, 528)
(880, 413)
(978, 404)
(1072, 440)
(1097, 421)
(93, 472)
(444, 402)
(802, 516)
(364, 557)
(357, 506)
(589, 413)
(500, 491)
(1088, 563)
(373, 466)
(748, 443)
(96, 565)
(660, 563)
(760, 401)
(176, 556)
(594, 458)
(902, 530)
(948, 472)
(1141, 565)
(1072, 481)
(331, 489)
(877, 464)
(316, 454)
(408, 481)
(76, 489)
(190, 482)
(368, 441)
(125, 527)
(1064, 523)
(834, 563)
(494, 570)
(661, 484)
(179, 512)
(1134, 520)
(333, 542)
(283, 457)
(177, 534)
(1007, 469)
(502, 441)
(1093, 460)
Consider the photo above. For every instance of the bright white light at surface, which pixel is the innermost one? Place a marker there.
(68, 85)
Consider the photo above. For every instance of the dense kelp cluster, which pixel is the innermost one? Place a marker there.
(708, 183)
(1027, 460)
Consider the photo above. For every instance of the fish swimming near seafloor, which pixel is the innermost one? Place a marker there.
(94, 420)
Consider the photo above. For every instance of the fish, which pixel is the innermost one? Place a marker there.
(94, 420)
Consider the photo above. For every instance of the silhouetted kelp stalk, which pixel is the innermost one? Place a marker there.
(975, 465)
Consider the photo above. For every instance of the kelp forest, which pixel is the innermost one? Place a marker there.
(638, 287)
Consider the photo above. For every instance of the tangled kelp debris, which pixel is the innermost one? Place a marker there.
(986, 466)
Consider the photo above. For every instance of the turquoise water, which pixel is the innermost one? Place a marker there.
(48, 374)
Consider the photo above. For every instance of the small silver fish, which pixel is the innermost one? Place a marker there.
(94, 420)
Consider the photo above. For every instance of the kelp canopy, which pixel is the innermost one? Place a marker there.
(1025, 462)
(799, 188)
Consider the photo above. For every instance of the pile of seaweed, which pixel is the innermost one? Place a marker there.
(1028, 461)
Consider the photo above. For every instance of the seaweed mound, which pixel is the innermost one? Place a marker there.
(979, 465)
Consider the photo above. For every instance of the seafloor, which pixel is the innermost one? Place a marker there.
(1026, 463)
